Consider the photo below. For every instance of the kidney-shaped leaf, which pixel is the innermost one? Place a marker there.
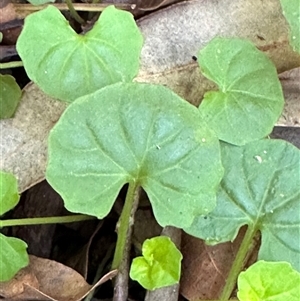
(260, 189)
(250, 99)
(292, 13)
(13, 256)
(67, 65)
(135, 133)
(269, 281)
(9, 195)
(160, 264)
(10, 95)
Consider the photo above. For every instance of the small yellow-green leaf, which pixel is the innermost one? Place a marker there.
(10, 95)
(250, 98)
(269, 281)
(160, 264)
(13, 256)
(9, 195)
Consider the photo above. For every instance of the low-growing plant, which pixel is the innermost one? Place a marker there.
(207, 170)
(13, 255)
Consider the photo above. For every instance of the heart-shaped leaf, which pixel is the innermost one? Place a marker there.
(250, 99)
(9, 196)
(292, 13)
(260, 189)
(137, 133)
(67, 65)
(160, 264)
(13, 256)
(10, 94)
(269, 281)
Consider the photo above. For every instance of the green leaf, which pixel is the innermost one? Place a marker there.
(67, 65)
(260, 189)
(160, 264)
(10, 95)
(292, 13)
(1, 36)
(40, 2)
(135, 133)
(13, 256)
(250, 99)
(9, 196)
(269, 281)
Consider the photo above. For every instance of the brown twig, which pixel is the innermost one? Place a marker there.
(96, 7)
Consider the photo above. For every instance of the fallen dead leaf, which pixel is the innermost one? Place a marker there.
(49, 280)
(17, 285)
(205, 268)
(154, 4)
(175, 34)
(23, 138)
(290, 81)
(7, 11)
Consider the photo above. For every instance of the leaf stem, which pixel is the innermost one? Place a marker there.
(11, 65)
(121, 258)
(124, 225)
(238, 263)
(74, 13)
(44, 220)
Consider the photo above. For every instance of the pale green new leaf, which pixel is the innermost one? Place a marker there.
(67, 65)
(250, 98)
(269, 281)
(291, 10)
(135, 133)
(260, 189)
(9, 196)
(160, 264)
(10, 95)
(13, 256)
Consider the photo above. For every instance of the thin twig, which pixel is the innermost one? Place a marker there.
(96, 7)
